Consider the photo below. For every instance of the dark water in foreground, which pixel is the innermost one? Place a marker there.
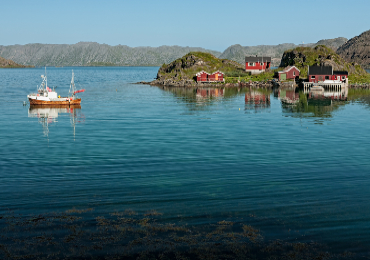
(140, 163)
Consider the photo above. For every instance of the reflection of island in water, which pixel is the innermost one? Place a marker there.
(201, 98)
(49, 115)
(312, 103)
(257, 100)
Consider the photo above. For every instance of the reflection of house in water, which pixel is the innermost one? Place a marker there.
(49, 115)
(209, 92)
(332, 94)
(288, 96)
(315, 102)
(256, 100)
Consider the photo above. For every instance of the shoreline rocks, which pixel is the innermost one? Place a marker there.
(189, 84)
(359, 86)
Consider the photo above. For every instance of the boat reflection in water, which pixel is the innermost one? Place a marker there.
(315, 102)
(257, 100)
(48, 115)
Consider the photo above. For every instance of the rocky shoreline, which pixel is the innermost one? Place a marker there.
(193, 84)
(252, 84)
(359, 86)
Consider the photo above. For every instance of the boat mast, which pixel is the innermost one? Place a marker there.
(46, 79)
(72, 86)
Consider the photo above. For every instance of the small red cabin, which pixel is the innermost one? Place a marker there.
(216, 76)
(290, 72)
(256, 65)
(202, 76)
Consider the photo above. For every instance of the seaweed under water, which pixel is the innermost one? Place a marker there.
(74, 234)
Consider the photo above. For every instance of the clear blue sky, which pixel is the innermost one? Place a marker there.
(210, 24)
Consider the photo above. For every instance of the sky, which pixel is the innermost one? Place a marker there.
(209, 24)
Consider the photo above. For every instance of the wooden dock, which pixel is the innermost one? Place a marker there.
(327, 86)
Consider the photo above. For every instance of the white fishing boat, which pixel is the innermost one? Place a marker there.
(48, 96)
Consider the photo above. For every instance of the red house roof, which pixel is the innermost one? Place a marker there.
(202, 72)
(288, 69)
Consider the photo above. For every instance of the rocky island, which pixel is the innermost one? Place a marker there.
(321, 55)
(182, 71)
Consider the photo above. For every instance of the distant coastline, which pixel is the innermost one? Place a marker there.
(95, 54)
(9, 64)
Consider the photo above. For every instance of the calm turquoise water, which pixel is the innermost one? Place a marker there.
(295, 174)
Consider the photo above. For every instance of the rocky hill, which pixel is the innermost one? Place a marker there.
(302, 57)
(94, 54)
(4, 63)
(334, 44)
(181, 72)
(357, 50)
(237, 52)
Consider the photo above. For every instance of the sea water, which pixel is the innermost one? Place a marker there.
(192, 158)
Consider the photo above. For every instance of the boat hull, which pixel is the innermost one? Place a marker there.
(55, 103)
(55, 106)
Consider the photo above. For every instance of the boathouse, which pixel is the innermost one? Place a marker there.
(324, 73)
(204, 76)
(290, 72)
(256, 65)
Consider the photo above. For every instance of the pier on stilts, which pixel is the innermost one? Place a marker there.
(333, 86)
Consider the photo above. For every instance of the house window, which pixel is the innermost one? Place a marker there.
(261, 63)
(251, 64)
(219, 75)
(343, 77)
(313, 77)
(293, 73)
(326, 77)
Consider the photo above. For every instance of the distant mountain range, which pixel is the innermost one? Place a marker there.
(357, 50)
(237, 52)
(95, 54)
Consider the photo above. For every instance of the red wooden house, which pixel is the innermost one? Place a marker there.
(322, 73)
(202, 76)
(216, 76)
(290, 72)
(256, 65)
